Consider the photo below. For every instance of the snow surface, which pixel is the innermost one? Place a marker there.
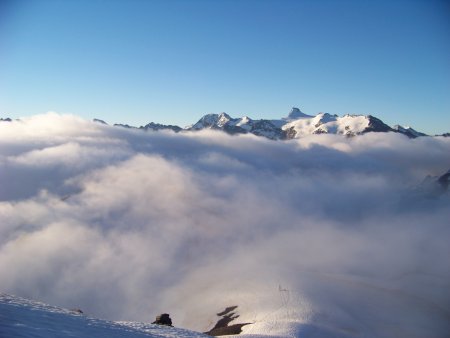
(370, 308)
(329, 124)
(20, 317)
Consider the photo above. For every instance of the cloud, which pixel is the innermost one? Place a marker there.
(125, 224)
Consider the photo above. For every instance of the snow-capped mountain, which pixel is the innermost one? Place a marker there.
(408, 131)
(296, 125)
(324, 123)
(268, 128)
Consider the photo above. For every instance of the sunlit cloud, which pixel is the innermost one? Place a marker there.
(126, 224)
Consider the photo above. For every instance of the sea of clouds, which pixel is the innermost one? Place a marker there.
(126, 224)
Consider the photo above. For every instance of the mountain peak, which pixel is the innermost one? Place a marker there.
(211, 121)
(295, 114)
(225, 115)
(408, 131)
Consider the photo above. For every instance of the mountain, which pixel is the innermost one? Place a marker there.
(408, 131)
(268, 128)
(23, 318)
(99, 121)
(124, 126)
(433, 186)
(297, 124)
(444, 180)
(296, 114)
(324, 123)
(158, 126)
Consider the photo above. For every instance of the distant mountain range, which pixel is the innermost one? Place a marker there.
(296, 125)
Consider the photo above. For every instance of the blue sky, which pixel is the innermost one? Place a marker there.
(173, 61)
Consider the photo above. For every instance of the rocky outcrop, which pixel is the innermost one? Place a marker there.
(163, 319)
(222, 327)
(376, 125)
(77, 311)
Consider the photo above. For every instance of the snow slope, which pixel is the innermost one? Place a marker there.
(22, 318)
(370, 308)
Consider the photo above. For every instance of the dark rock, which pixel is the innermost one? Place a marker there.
(222, 327)
(376, 125)
(227, 310)
(78, 311)
(163, 319)
(266, 128)
(230, 129)
(289, 133)
(227, 330)
(319, 131)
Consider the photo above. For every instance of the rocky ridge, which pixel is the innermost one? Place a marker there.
(295, 125)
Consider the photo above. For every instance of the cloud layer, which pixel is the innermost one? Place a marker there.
(126, 224)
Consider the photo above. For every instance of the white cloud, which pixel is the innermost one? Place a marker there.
(126, 224)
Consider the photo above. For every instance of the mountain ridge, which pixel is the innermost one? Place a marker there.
(295, 125)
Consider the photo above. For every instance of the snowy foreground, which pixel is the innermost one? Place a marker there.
(294, 317)
(20, 317)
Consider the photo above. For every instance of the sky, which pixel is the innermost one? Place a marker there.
(174, 61)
